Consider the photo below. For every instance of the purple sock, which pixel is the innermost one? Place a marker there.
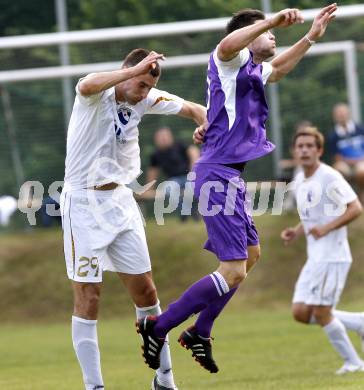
(192, 301)
(208, 315)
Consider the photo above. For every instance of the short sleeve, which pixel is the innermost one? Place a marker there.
(340, 191)
(267, 70)
(237, 62)
(88, 100)
(162, 102)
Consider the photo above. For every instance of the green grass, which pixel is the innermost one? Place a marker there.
(255, 349)
(33, 282)
(258, 346)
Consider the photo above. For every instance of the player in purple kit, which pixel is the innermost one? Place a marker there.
(237, 111)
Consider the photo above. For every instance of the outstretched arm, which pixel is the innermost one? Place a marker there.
(98, 82)
(291, 233)
(230, 46)
(286, 61)
(193, 111)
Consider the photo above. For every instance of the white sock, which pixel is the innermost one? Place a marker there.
(351, 321)
(338, 337)
(84, 337)
(164, 372)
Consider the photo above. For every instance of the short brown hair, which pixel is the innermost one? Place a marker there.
(137, 55)
(313, 131)
(243, 18)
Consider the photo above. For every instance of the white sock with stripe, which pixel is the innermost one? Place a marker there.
(220, 283)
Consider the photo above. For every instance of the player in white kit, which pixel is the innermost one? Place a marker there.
(103, 229)
(326, 204)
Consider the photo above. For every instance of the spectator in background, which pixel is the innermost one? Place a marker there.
(174, 160)
(49, 212)
(8, 206)
(346, 144)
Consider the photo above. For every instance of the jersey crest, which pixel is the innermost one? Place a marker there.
(124, 114)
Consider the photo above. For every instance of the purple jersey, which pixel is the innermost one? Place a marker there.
(236, 110)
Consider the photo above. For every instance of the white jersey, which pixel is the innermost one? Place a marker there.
(103, 137)
(321, 198)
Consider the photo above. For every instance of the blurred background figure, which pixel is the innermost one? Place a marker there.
(8, 206)
(173, 160)
(346, 145)
(49, 212)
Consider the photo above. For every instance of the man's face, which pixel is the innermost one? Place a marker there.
(264, 46)
(341, 114)
(306, 152)
(163, 138)
(137, 88)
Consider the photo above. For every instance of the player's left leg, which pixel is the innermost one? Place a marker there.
(142, 291)
(339, 339)
(197, 297)
(207, 316)
(330, 279)
(352, 321)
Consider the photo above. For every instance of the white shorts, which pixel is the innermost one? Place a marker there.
(321, 283)
(103, 231)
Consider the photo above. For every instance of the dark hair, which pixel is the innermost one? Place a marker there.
(313, 131)
(244, 17)
(137, 55)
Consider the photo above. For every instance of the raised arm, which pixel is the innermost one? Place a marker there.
(98, 82)
(285, 62)
(230, 46)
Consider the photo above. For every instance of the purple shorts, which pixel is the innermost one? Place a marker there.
(221, 194)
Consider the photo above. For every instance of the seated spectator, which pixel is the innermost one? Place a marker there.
(346, 144)
(173, 160)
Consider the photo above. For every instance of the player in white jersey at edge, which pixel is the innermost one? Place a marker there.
(103, 229)
(326, 204)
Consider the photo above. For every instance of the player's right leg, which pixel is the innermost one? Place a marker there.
(207, 316)
(84, 332)
(84, 270)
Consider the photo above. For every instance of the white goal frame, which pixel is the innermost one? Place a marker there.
(347, 48)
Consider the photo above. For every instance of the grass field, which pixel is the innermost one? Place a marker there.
(258, 345)
(255, 349)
